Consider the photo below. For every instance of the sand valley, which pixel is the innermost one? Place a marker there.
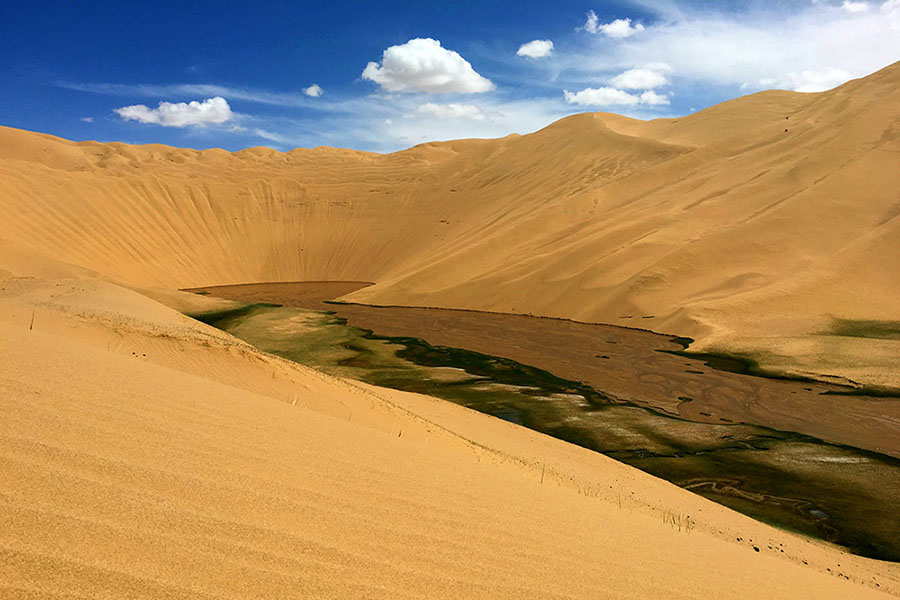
(612, 358)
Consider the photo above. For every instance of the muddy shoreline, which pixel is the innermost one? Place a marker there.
(837, 493)
(632, 365)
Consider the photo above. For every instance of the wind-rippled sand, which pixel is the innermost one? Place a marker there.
(145, 455)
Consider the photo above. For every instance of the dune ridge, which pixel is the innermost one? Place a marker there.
(750, 226)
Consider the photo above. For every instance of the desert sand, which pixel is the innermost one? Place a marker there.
(146, 455)
(720, 226)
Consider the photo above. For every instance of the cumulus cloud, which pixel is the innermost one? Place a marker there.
(87, 119)
(180, 114)
(423, 65)
(608, 96)
(501, 117)
(722, 49)
(620, 28)
(536, 49)
(855, 7)
(451, 111)
(604, 96)
(640, 79)
(818, 81)
(651, 98)
(313, 91)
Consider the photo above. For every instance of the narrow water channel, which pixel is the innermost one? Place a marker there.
(834, 492)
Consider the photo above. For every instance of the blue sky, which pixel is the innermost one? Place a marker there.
(383, 76)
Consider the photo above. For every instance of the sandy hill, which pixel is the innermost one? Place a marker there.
(145, 455)
(750, 226)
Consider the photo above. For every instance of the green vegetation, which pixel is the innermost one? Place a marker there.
(684, 342)
(880, 330)
(841, 494)
(745, 365)
(496, 369)
(733, 363)
(221, 318)
(873, 391)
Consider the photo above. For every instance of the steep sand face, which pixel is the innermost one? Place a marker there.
(720, 226)
(145, 455)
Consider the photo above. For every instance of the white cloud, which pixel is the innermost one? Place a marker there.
(181, 114)
(272, 137)
(592, 25)
(711, 51)
(708, 48)
(891, 9)
(640, 79)
(818, 81)
(536, 49)
(604, 96)
(855, 7)
(607, 96)
(255, 95)
(87, 119)
(451, 111)
(620, 28)
(651, 98)
(313, 91)
(502, 117)
(423, 65)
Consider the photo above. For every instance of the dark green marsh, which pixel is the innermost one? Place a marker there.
(833, 492)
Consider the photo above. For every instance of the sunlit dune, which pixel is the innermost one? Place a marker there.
(147, 455)
(748, 226)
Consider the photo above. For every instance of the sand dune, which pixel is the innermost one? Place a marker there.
(146, 455)
(749, 226)
(757, 233)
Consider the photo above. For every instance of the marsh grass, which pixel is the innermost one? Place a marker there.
(784, 478)
(880, 330)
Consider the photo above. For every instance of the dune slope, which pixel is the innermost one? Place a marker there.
(145, 455)
(751, 226)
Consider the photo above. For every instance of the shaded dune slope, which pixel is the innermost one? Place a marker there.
(720, 226)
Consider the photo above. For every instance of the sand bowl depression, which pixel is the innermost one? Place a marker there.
(630, 402)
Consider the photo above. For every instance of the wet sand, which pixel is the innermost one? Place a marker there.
(630, 365)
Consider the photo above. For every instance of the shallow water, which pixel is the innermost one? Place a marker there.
(838, 493)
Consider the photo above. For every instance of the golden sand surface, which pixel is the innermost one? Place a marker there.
(146, 455)
(750, 226)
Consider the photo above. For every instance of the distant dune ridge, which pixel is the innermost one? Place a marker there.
(749, 226)
(146, 455)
